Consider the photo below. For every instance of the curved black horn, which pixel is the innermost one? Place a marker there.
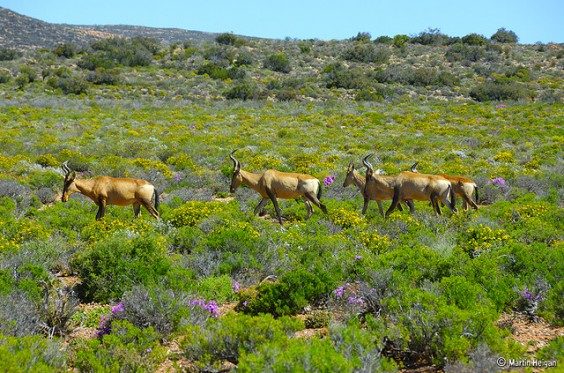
(236, 163)
(366, 163)
(65, 167)
(414, 167)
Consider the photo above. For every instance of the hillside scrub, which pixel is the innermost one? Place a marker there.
(211, 286)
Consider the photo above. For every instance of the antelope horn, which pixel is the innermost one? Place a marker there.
(414, 167)
(366, 163)
(351, 165)
(65, 167)
(236, 163)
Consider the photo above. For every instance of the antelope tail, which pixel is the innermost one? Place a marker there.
(319, 192)
(476, 191)
(156, 196)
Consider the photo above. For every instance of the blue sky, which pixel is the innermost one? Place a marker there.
(533, 21)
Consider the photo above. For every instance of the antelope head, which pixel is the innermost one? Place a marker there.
(414, 167)
(236, 179)
(349, 178)
(69, 186)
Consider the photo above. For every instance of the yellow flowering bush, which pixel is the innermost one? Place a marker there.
(346, 218)
(482, 237)
(504, 156)
(191, 213)
(374, 241)
(7, 244)
(103, 228)
(149, 164)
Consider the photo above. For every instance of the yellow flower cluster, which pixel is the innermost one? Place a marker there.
(504, 156)
(29, 230)
(6, 244)
(483, 237)
(148, 164)
(346, 218)
(105, 227)
(193, 212)
(241, 226)
(530, 211)
(374, 242)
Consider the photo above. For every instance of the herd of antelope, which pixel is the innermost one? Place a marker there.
(405, 187)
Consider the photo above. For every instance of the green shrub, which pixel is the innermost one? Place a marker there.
(103, 76)
(363, 37)
(400, 41)
(228, 38)
(192, 213)
(66, 50)
(430, 37)
(505, 36)
(7, 54)
(367, 53)
(244, 59)
(474, 39)
(314, 355)
(463, 52)
(127, 348)
(31, 354)
(491, 91)
(96, 60)
(384, 40)
(113, 265)
(337, 76)
(553, 351)
(213, 70)
(73, 84)
(289, 295)
(5, 76)
(278, 62)
(244, 90)
(229, 336)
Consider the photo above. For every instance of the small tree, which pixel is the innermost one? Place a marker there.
(474, 39)
(228, 38)
(363, 37)
(505, 36)
(65, 50)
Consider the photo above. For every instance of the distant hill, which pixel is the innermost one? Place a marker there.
(23, 32)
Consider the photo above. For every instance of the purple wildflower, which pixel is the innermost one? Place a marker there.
(104, 327)
(358, 257)
(177, 177)
(499, 181)
(235, 286)
(500, 106)
(354, 300)
(340, 291)
(118, 308)
(212, 308)
(328, 180)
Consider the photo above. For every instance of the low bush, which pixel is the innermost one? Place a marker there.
(113, 265)
(287, 296)
(66, 50)
(31, 354)
(244, 90)
(278, 62)
(126, 348)
(234, 334)
(367, 53)
(505, 36)
(8, 54)
(493, 91)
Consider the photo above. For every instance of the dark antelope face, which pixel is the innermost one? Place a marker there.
(68, 186)
(236, 179)
(349, 179)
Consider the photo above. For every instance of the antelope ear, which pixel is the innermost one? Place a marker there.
(351, 167)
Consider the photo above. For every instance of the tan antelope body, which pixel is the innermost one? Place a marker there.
(106, 190)
(407, 186)
(462, 186)
(353, 177)
(273, 184)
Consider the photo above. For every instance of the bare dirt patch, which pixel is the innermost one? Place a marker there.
(533, 335)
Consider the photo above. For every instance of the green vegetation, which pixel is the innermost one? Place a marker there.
(213, 287)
